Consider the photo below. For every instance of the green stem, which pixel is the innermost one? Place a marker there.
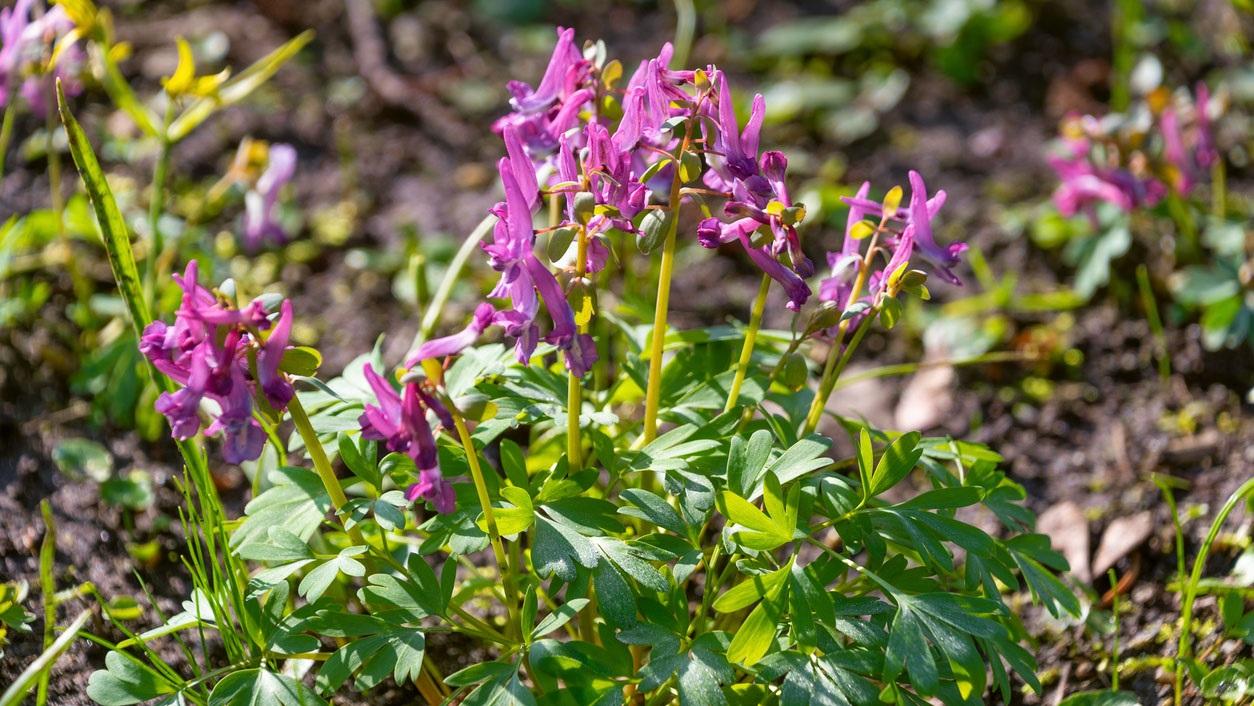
(1184, 648)
(321, 464)
(751, 337)
(82, 290)
(6, 127)
(494, 534)
(685, 28)
(431, 316)
(1218, 187)
(48, 585)
(42, 665)
(156, 206)
(574, 385)
(1155, 322)
(830, 372)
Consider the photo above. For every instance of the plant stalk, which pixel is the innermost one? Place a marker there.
(494, 534)
(321, 464)
(830, 369)
(156, 206)
(661, 308)
(574, 385)
(751, 337)
(1184, 649)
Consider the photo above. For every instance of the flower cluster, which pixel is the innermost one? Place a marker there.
(903, 232)
(261, 212)
(400, 421)
(26, 47)
(216, 353)
(1132, 161)
(612, 156)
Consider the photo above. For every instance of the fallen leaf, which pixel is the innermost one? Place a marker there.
(1068, 532)
(1121, 537)
(928, 397)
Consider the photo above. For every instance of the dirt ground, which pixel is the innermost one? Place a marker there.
(389, 136)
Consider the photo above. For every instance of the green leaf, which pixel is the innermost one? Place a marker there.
(1230, 684)
(898, 460)
(125, 680)
(298, 502)
(651, 507)
(301, 360)
(511, 520)
(762, 533)
(559, 617)
(83, 458)
(132, 491)
(258, 687)
(113, 228)
(395, 652)
(753, 637)
(745, 461)
(559, 549)
(751, 590)
(283, 546)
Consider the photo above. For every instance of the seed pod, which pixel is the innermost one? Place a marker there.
(793, 371)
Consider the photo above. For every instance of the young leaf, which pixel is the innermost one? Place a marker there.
(253, 687)
(898, 460)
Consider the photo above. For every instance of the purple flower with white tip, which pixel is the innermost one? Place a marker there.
(261, 203)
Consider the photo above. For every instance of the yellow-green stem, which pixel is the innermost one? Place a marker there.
(574, 385)
(321, 463)
(662, 306)
(1219, 189)
(156, 206)
(1184, 649)
(751, 336)
(6, 127)
(481, 488)
(830, 372)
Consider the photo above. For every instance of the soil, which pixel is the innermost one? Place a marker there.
(401, 142)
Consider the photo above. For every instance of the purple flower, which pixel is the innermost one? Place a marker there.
(712, 233)
(563, 71)
(922, 211)
(277, 388)
(261, 217)
(182, 407)
(433, 488)
(543, 114)
(24, 47)
(207, 352)
(1205, 153)
(400, 421)
(837, 287)
(523, 276)
(484, 316)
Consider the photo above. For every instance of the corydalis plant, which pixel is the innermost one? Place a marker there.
(1133, 161)
(1127, 173)
(727, 557)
